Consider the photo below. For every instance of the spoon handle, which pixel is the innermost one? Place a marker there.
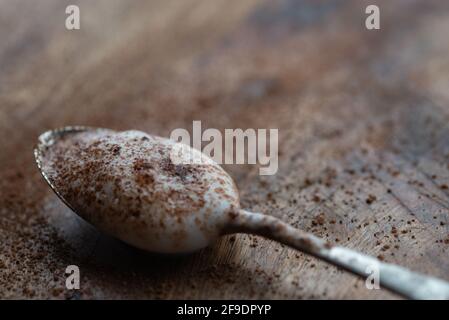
(409, 284)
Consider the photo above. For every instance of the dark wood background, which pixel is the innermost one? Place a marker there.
(362, 117)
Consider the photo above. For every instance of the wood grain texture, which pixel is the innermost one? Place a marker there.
(362, 116)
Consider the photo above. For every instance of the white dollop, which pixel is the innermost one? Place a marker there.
(142, 189)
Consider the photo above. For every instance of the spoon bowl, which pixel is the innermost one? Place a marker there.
(140, 188)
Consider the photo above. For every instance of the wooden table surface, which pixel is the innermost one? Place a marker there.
(363, 136)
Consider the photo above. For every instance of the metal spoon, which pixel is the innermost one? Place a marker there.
(205, 194)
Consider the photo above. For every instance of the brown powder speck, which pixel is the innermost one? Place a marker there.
(182, 171)
(307, 182)
(57, 291)
(141, 164)
(233, 215)
(115, 149)
(318, 220)
(370, 199)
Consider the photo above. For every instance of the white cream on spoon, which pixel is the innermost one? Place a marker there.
(127, 185)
